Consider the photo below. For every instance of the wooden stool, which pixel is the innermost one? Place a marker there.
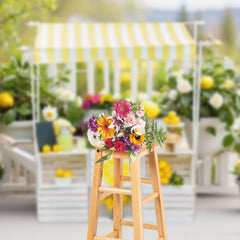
(99, 193)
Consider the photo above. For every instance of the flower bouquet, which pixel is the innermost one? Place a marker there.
(126, 130)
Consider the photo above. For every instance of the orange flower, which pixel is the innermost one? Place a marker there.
(104, 129)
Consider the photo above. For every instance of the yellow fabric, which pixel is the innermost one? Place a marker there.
(74, 42)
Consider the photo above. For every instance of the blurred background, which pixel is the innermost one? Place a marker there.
(201, 191)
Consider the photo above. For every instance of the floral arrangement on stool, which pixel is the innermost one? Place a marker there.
(126, 130)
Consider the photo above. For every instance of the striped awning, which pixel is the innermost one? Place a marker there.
(76, 42)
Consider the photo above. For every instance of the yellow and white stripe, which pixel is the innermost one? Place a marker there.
(74, 42)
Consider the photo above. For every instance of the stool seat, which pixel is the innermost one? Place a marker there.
(100, 192)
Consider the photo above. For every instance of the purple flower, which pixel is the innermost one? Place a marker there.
(136, 148)
(127, 140)
(126, 148)
(86, 104)
(92, 124)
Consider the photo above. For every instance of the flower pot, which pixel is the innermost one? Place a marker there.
(89, 112)
(208, 144)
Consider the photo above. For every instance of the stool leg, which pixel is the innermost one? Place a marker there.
(95, 198)
(117, 198)
(136, 199)
(156, 184)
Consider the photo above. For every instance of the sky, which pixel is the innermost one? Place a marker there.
(190, 4)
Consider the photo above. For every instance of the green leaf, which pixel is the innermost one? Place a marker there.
(228, 140)
(9, 116)
(185, 100)
(104, 148)
(24, 109)
(211, 130)
(106, 157)
(237, 147)
(132, 156)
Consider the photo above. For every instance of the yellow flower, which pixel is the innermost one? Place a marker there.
(106, 98)
(6, 100)
(229, 83)
(137, 139)
(103, 128)
(100, 65)
(125, 65)
(125, 78)
(206, 82)
(151, 108)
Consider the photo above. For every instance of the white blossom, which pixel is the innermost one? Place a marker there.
(216, 101)
(94, 138)
(184, 86)
(172, 94)
(49, 113)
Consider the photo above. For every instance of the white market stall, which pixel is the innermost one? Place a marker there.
(70, 43)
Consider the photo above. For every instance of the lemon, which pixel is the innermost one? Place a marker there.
(237, 166)
(46, 149)
(172, 114)
(206, 82)
(56, 148)
(164, 181)
(175, 121)
(59, 173)
(6, 100)
(166, 120)
(67, 173)
(162, 165)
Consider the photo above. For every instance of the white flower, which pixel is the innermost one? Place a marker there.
(216, 100)
(49, 113)
(142, 96)
(67, 96)
(79, 101)
(138, 129)
(184, 86)
(178, 74)
(59, 91)
(94, 138)
(172, 94)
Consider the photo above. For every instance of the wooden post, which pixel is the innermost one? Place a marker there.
(95, 198)
(158, 201)
(136, 199)
(117, 198)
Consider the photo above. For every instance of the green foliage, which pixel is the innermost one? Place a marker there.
(176, 180)
(211, 130)
(15, 79)
(12, 15)
(1, 172)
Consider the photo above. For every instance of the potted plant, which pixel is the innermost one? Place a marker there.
(1, 173)
(219, 104)
(15, 96)
(96, 104)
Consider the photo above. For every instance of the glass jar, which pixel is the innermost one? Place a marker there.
(65, 139)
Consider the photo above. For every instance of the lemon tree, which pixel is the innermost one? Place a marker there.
(15, 90)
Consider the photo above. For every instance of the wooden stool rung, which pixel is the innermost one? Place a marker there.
(146, 226)
(149, 198)
(106, 238)
(105, 195)
(143, 180)
(112, 234)
(115, 190)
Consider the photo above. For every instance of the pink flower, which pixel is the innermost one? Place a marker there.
(122, 108)
(140, 113)
(95, 99)
(130, 120)
(141, 122)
